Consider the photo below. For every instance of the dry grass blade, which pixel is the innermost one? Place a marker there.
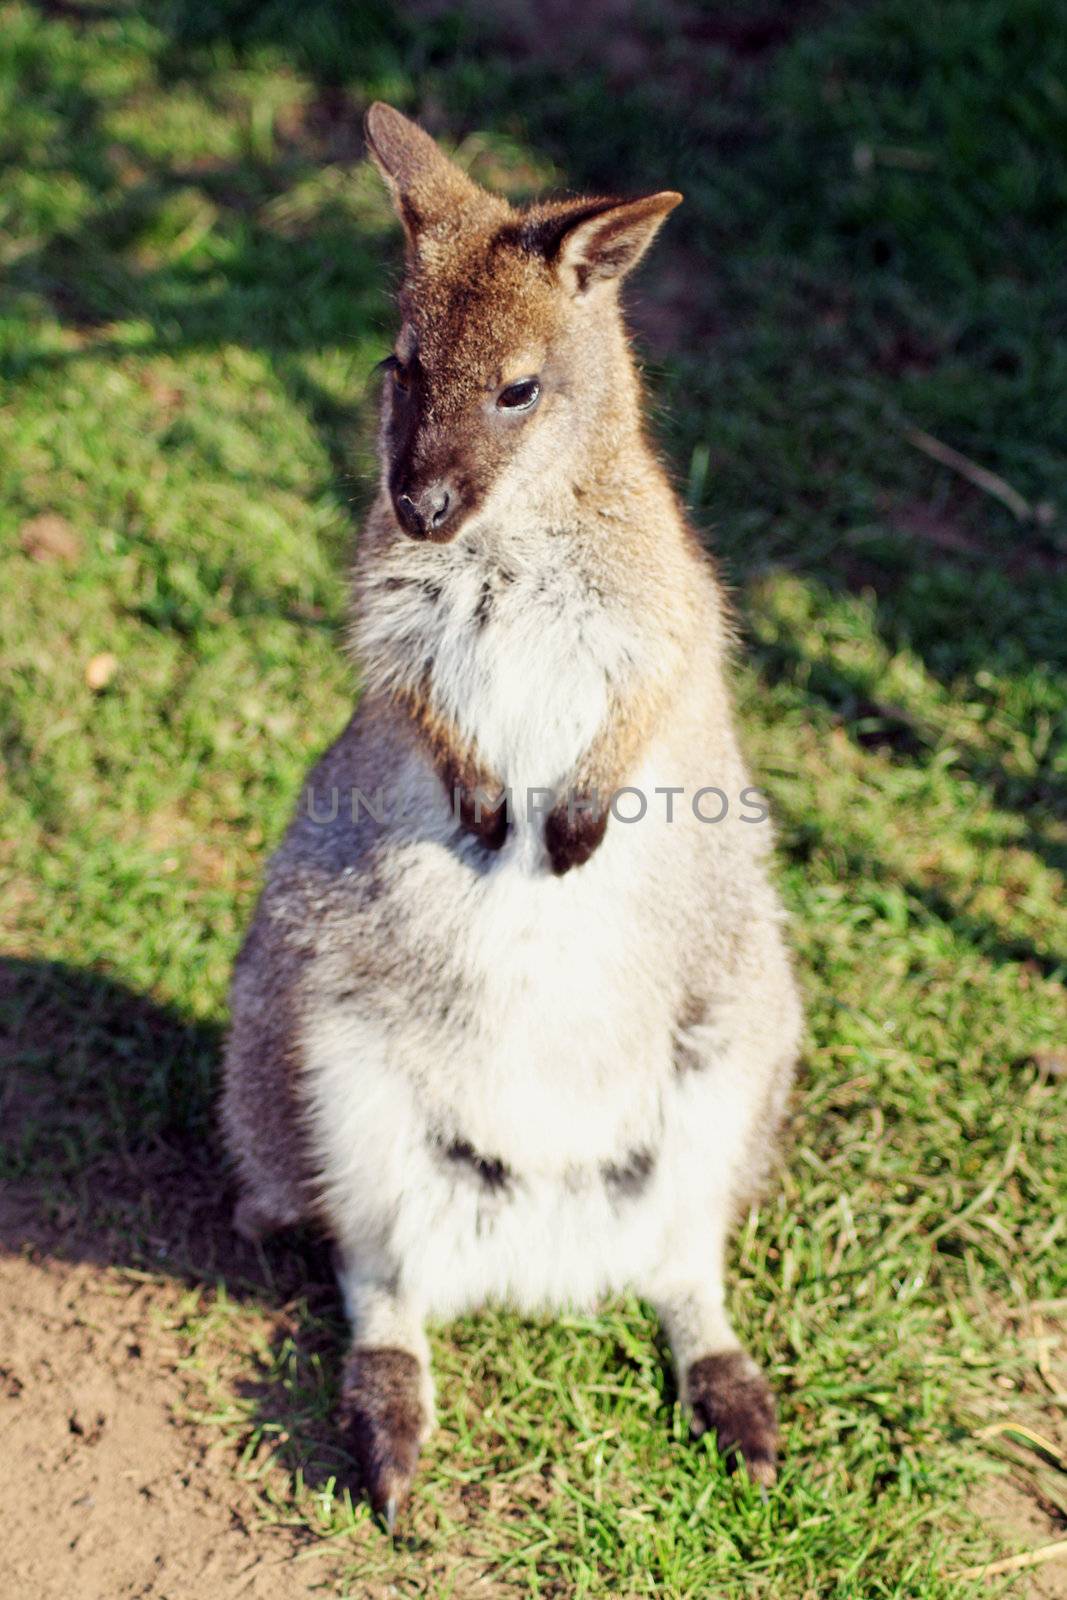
(981, 477)
(1016, 1428)
(1029, 1558)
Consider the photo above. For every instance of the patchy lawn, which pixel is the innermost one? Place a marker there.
(195, 289)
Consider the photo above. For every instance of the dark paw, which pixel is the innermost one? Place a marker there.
(478, 811)
(571, 836)
(488, 823)
(382, 1418)
(730, 1395)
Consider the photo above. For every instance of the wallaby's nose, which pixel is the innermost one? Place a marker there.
(424, 513)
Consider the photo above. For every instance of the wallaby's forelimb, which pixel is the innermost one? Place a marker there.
(475, 795)
(577, 823)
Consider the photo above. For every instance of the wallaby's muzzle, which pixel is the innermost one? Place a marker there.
(427, 512)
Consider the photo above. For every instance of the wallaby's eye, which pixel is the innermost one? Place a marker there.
(521, 396)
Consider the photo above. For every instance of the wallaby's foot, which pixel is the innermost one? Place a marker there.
(729, 1394)
(384, 1421)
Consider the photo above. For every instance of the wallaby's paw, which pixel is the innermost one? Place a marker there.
(488, 824)
(478, 804)
(730, 1395)
(571, 836)
(383, 1420)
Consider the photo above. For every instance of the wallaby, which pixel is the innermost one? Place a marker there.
(514, 1020)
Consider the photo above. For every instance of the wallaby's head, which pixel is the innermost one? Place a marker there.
(511, 361)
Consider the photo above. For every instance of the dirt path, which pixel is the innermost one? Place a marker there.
(104, 1492)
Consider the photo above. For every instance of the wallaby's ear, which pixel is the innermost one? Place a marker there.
(601, 239)
(425, 186)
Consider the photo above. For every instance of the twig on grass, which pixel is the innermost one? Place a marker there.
(981, 477)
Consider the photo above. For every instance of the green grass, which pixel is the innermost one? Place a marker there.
(196, 277)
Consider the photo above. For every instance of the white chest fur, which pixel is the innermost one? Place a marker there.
(517, 652)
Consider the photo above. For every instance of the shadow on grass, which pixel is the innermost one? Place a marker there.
(110, 1156)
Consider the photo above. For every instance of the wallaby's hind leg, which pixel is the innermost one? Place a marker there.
(720, 1385)
(387, 1408)
(270, 1196)
(261, 1114)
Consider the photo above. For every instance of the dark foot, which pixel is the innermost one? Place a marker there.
(382, 1417)
(730, 1395)
(571, 836)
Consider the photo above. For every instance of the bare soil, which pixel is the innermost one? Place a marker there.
(108, 1490)
(1023, 1522)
